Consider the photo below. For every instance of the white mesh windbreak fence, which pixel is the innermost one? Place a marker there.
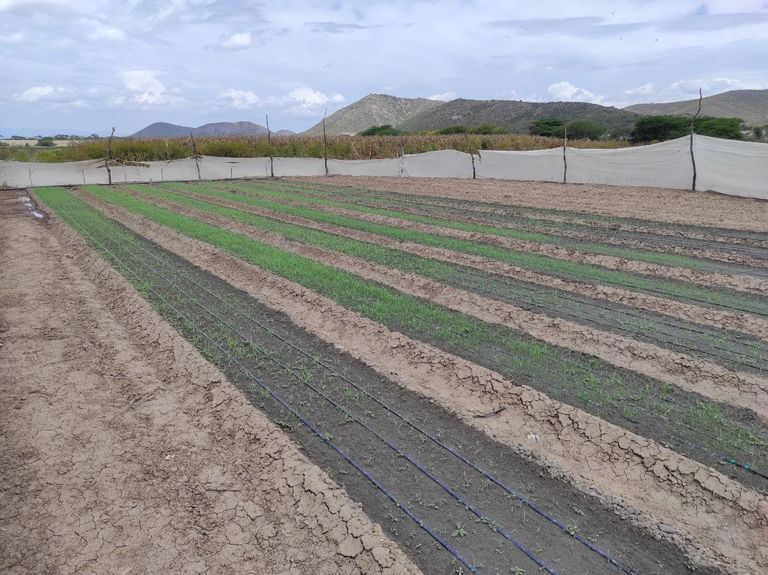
(388, 167)
(735, 168)
(299, 167)
(725, 166)
(442, 164)
(664, 165)
(213, 168)
(23, 174)
(534, 165)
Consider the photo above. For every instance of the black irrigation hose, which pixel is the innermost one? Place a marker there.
(436, 536)
(452, 451)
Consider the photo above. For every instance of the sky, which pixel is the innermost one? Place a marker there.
(85, 66)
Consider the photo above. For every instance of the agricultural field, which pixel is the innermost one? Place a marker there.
(372, 375)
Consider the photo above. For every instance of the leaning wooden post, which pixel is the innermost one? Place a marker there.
(693, 158)
(471, 154)
(565, 160)
(325, 143)
(194, 154)
(109, 157)
(269, 143)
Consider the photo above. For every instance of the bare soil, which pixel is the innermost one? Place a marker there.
(669, 495)
(123, 451)
(676, 206)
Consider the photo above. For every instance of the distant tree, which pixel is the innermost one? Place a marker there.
(729, 128)
(457, 129)
(758, 132)
(552, 127)
(385, 130)
(18, 138)
(660, 128)
(46, 142)
(585, 130)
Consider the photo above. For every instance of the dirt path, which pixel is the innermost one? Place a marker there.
(123, 451)
(670, 495)
(676, 206)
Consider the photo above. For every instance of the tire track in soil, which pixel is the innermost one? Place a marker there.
(743, 322)
(673, 497)
(729, 244)
(741, 389)
(711, 259)
(112, 424)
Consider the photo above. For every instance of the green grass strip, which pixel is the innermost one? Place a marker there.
(406, 262)
(642, 255)
(576, 271)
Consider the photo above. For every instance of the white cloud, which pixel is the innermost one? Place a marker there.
(644, 90)
(712, 86)
(104, 32)
(43, 94)
(443, 96)
(567, 92)
(307, 101)
(240, 99)
(145, 89)
(237, 41)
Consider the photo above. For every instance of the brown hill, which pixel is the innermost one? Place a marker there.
(749, 105)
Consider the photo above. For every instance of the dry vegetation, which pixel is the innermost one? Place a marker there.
(339, 147)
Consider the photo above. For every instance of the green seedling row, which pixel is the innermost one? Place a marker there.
(713, 342)
(571, 270)
(642, 255)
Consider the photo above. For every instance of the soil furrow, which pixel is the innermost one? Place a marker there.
(636, 475)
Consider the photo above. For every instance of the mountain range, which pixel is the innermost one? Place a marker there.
(516, 116)
(166, 130)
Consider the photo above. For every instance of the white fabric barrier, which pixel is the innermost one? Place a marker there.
(24, 174)
(442, 164)
(725, 166)
(213, 168)
(534, 165)
(664, 165)
(299, 167)
(731, 167)
(171, 171)
(389, 167)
